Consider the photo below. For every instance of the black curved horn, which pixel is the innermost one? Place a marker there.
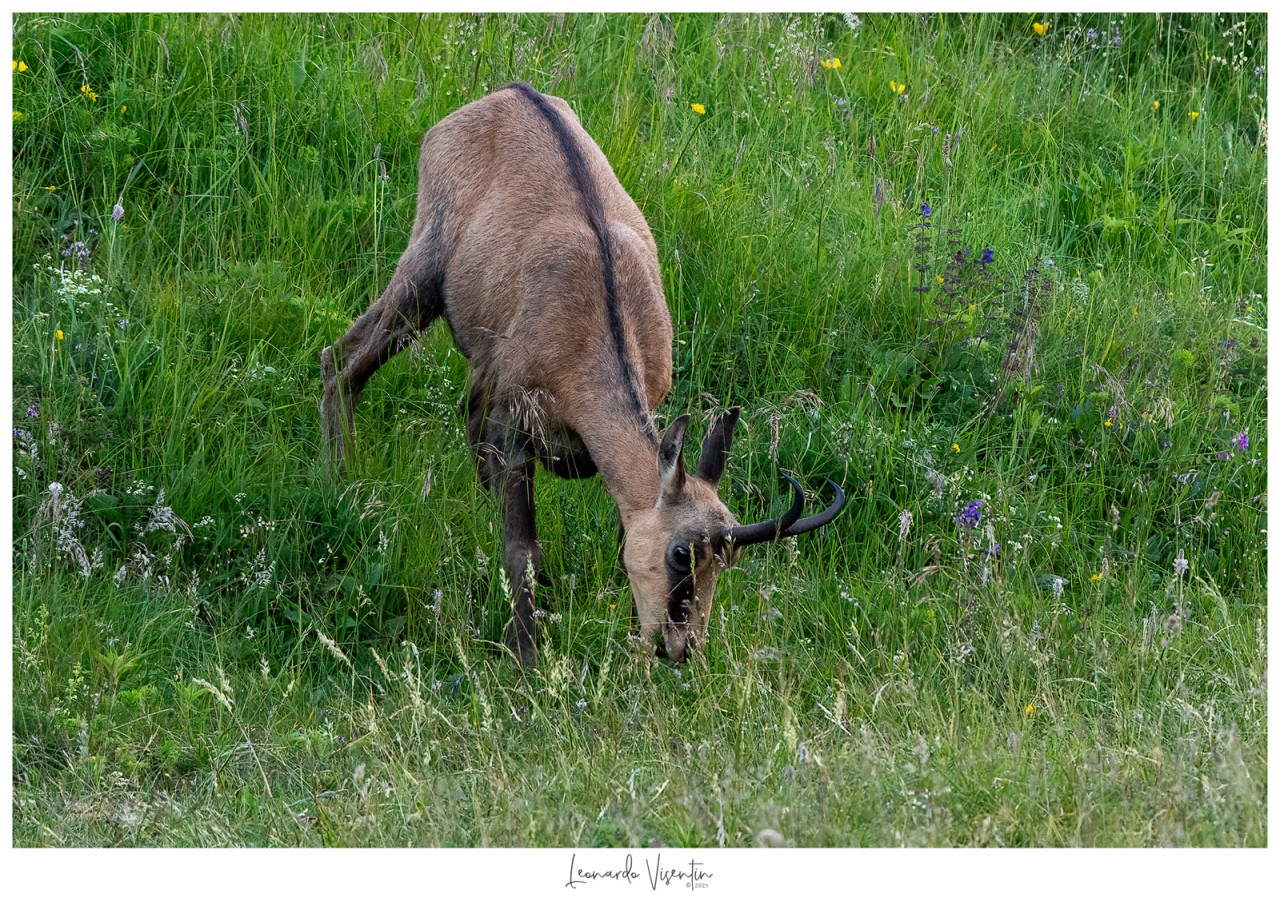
(766, 531)
(822, 518)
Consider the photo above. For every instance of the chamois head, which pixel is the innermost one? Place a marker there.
(675, 552)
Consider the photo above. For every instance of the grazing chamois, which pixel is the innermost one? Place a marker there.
(546, 272)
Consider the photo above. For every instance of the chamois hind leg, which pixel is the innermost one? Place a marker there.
(523, 554)
(410, 303)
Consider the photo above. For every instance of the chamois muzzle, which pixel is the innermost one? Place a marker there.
(789, 523)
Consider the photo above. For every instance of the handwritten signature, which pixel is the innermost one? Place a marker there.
(692, 876)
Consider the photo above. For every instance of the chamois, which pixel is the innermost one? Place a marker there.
(547, 274)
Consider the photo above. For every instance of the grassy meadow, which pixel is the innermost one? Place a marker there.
(1003, 280)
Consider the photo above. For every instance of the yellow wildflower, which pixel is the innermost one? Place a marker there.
(940, 279)
(124, 109)
(897, 88)
(1156, 104)
(973, 306)
(58, 334)
(1107, 423)
(16, 115)
(1194, 115)
(1096, 577)
(832, 63)
(699, 108)
(1031, 709)
(1040, 28)
(19, 65)
(52, 187)
(955, 447)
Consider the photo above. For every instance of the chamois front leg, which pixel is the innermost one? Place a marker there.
(523, 555)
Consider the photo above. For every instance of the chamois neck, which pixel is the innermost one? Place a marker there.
(626, 454)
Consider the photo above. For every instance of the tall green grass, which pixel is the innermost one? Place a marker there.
(217, 642)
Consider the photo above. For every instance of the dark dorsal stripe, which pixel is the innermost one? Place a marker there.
(593, 207)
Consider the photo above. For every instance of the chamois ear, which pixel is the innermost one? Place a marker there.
(670, 463)
(715, 447)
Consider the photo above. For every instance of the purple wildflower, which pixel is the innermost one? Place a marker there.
(925, 210)
(79, 249)
(1241, 440)
(971, 516)
(988, 255)
(1224, 455)
(33, 412)
(117, 212)
(19, 433)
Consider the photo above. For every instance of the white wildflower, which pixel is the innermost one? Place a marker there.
(1180, 565)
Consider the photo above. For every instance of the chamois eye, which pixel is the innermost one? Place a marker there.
(678, 556)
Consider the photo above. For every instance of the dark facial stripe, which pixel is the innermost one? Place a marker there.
(593, 206)
(680, 586)
(679, 596)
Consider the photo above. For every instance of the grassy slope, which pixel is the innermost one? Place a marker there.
(877, 684)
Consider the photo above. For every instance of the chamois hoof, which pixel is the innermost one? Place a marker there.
(330, 425)
(524, 649)
(331, 453)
